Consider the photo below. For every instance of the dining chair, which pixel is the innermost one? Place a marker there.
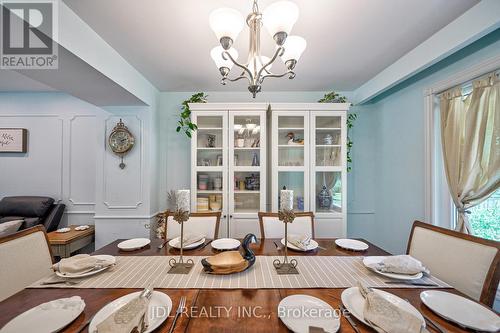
(469, 264)
(199, 223)
(272, 227)
(25, 257)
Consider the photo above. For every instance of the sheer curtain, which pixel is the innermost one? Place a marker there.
(470, 137)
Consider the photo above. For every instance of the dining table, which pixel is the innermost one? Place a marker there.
(261, 304)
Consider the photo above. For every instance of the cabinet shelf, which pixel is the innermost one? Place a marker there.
(327, 146)
(209, 148)
(246, 148)
(291, 129)
(328, 129)
(291, 146)
(246, 192)
(208, 191)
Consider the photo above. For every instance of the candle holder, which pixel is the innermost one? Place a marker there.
(286, 267)
(181, 267)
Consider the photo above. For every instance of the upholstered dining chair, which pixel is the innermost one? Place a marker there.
(25, 257)
(200, 223)
(469, 264)
(272, 227)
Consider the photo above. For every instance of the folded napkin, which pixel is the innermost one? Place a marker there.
(402, 264)
(300, 241)
(386, 317)
(189, 239)
(80, 263)
(133, 314)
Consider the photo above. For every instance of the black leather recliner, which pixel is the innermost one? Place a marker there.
(33, 210)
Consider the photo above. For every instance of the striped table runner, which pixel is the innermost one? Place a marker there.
(315, 272)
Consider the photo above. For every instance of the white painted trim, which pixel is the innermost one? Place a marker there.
(274, 106)
(125, 217)
(430, 152)
(475, 23)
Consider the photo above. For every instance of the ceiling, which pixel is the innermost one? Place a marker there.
(11, 81)
(349, 41)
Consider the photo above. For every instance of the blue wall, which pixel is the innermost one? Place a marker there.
(388, 155)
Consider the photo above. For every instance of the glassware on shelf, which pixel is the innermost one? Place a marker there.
(202, 182)
(255, 159)
(218, 183)
(211, 140)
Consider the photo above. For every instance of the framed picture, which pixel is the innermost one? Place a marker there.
(13, 140)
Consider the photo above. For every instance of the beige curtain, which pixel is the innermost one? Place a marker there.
(470, 136)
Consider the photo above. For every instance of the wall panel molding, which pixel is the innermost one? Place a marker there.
(106, 201)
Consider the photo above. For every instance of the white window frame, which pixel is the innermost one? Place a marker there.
(433, 185)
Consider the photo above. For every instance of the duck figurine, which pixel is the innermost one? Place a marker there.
(231, 261)
(294, 140)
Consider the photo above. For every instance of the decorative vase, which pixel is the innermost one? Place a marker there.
(324, 198)
(255, 160)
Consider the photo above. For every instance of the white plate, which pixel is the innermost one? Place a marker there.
(298, 312)
(223, 244)
(351, 244)
(158, 310)
(176, 244)
(461, 310)
(354, 302)
(106, 257)
(47, 317)
(312, 245)
(367, 261)
(133, 244)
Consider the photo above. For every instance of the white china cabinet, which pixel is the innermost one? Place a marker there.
(228, 157)
(308, 156)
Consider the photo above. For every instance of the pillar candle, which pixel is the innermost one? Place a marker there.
(183, 198)
(286, 199)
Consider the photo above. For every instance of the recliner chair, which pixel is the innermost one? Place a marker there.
(34, 210)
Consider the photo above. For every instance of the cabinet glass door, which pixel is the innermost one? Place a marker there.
(290, 157)
(328, 141)
(246, 140)
(292, 180)
(209, 154)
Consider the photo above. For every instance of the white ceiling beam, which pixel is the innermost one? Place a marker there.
(78, 38)
(475, 23)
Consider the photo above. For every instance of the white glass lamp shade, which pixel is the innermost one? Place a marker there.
(226, 22)
(260, 64)
(280, 17)
(216, 55)
(294, 46)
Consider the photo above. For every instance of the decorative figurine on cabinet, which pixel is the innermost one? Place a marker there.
(294, 140)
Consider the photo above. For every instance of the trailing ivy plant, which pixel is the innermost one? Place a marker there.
(333, 97)
(184, 123)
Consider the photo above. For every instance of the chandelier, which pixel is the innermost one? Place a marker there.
(278, 19)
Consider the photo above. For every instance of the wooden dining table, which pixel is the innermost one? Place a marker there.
(217, 310)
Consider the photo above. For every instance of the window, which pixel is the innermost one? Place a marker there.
(484, 218)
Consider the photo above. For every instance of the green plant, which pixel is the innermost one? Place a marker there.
(184, 123)
(333, 97)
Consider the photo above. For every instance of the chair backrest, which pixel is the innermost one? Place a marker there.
(271, 227)
(198, 223)
(25, 257)
(470, 264)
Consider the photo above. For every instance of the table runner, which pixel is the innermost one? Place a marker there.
(315, 272)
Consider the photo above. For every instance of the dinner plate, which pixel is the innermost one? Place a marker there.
(354, 302)
(351, 244)
(461, 310)
(368, 261)
(159, 308)
(48, 317)
(176, 244)
(106, 257)
(312, 245)
(299, 312)
(223, 244)
(133, 244)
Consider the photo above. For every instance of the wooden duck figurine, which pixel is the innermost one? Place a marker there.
(231, 261)
(293, 140)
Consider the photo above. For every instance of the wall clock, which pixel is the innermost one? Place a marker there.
(121, 141)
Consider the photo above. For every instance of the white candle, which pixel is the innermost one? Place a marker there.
(183, 200)
(286, 199)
